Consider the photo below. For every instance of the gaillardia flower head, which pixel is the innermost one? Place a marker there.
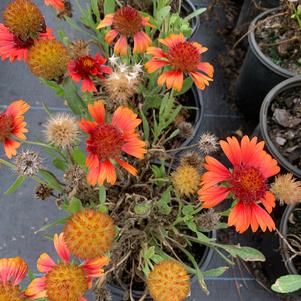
(62, 130)
(183, 58)
(89, 233)
(126, 23)
(48, 59)
(246, 183)
(12, 124)
(65, 280)
(12, 272)
(287, 189)
(168, 281)
(23, 24)
(107, 141)
(85, 68)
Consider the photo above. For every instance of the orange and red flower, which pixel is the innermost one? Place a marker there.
(12, 124)
(65, 280)
(14, 48)
(183, 57)
(85, 68)
(59, 5)
(107, 141)
(126, 23)
(246, 183)
(12, 272)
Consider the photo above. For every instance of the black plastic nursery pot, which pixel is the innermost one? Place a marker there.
(258, 75)
(117, 292)
(291, 269)
(285, 85)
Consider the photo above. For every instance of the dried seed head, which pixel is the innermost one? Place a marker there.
(89, 233)
(62, 130)
(168, 281)
(48, 59)
(74, 175)
(67, 11)
(287, 189)
(103, 294)
(28, 163)
(43, 192)
(186, 180)
(208, 143)
(191, 158)
(186, 129)
(24, 19)
(208, 220)
(121, 86)
(79, 48)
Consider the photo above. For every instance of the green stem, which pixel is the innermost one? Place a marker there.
(8, 164)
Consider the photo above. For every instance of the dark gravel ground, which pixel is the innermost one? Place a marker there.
(21, 214)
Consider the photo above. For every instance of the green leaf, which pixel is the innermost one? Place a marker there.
(109, 7)
(195, 14)
(163, 202)
(59, 164)
(287, 284)
(102, 195)
(145, 125)
(54, 86)
(74, 205)
(142, 209)
(18, 182)
(188, 82)
(162, 14)
(95, 9)
(245, 253)
(149, 253)
(151, 102)
(61, 221)
(188, 210)
(215, 272)
(50, 179)
(79, 157)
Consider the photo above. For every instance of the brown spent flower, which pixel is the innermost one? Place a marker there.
(186, 129)
(208, 220)
(89, 233)
(43, 192)
(67, 11)
(79, 48)
(287, 189)
(28, 163)
(48, 59)
(62, 130)
(186, 180)
(169, 281)
(208, 143)
(24, 19)
(191, 158)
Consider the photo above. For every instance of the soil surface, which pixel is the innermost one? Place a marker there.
(284, 124)
(279, 36)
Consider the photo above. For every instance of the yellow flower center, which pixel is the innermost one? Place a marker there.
(8, 292)
(66, 282)
(127, 21)
(89, 233)
(6, 125)
(184, 56)
(23, 18)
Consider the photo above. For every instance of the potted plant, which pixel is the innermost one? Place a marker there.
(274, 50)
(279, 127)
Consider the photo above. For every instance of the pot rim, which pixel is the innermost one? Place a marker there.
(284, 85)
(203, 264)
(284, 249)
(186, 4)
(257, 51)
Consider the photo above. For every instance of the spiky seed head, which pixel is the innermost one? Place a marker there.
(48, 59)
(43, 192)
(28, 163)
(186, 180)
(186, 129)
(74, 175)
(191, 158)
(89, 233)
(208, 220)
(168, 281)
(208, 143)
(24, 19)
(287, 189)
(62, 130)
